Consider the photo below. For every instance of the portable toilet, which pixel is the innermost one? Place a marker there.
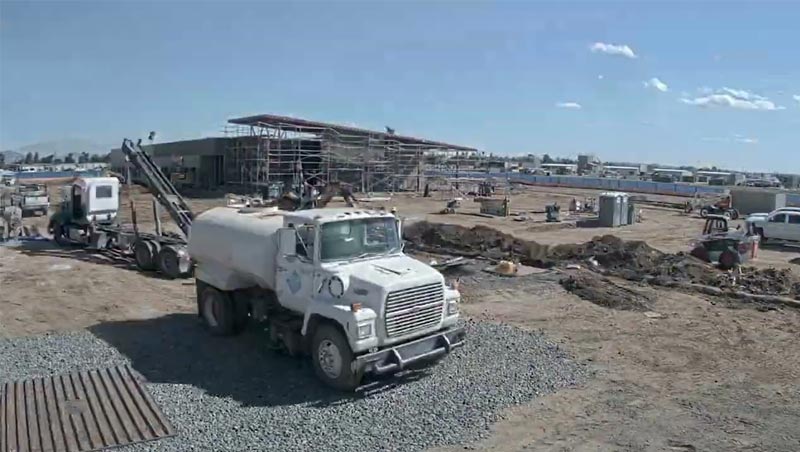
(613, 209)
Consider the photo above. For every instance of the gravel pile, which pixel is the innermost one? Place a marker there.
(233, 394)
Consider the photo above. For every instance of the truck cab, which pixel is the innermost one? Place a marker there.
(338, 287)
(87, 202)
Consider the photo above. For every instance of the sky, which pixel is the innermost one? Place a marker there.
(715, 83)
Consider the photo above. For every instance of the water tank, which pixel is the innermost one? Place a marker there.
(238, 247)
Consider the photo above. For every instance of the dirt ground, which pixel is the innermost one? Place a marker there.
(689, 373)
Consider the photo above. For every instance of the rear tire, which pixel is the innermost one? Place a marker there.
(331, 357)
(217, 311)
(703, 213)
(144, 255)
(171, 264)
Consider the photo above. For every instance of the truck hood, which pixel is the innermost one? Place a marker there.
(388, 274)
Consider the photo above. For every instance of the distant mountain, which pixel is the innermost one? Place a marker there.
(59, 148)
(12, 156)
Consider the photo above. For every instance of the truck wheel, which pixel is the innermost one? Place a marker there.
(728, 260)
(701, 253)
(144, 254)
(217, 311)
(171, 264)
(703, 213)
(59, 234)
(734, 214)
(331, 357)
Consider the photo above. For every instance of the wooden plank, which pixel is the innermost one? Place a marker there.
(79, 412)
(22, 419)
(147, 429)
(91, 429)
(4, 440)
(67, 422)
(106, 435)
(109, 412)
(160, 423)
(135, 421)
(119, 407)
(45, 432)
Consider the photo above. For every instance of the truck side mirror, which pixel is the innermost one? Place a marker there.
(287, 242)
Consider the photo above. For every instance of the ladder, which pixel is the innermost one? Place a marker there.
(163, 190)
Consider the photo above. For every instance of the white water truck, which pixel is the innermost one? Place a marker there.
(331, 283)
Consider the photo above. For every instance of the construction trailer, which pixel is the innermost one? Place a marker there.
(267, 149)
(749, 200)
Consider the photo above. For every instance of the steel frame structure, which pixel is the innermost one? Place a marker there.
(268, 149)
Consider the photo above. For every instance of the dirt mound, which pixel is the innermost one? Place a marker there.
(632, 260)
(611, 253)
(476, 241)
(604, 292)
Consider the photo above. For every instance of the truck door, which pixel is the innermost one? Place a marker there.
(793, 226)
(775, 226)
(295, 273)
(77, 202)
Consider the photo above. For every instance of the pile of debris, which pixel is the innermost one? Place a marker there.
(607, 255)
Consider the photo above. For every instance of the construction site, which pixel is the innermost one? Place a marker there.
(226, 285)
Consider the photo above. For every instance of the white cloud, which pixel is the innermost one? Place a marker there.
(742, 94)
(570, 105)
(657, 84)
(732, 98)
(600, 77)
(613, 49)
(735, 139)
(796, 97)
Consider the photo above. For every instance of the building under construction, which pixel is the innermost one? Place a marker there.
(282, 153)
(272, 154)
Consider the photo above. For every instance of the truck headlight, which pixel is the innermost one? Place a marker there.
(452, 307)
(364, 330)
(335, 286)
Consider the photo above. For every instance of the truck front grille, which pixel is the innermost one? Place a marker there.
(415, 309)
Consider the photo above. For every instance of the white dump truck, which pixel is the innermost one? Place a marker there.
(332, 283)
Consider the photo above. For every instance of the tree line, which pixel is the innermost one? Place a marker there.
(83, 157)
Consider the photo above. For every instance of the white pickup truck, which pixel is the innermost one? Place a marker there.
(331, 283)
(780, 224)
(32, 199)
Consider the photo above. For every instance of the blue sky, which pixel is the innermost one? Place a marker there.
(504, 77)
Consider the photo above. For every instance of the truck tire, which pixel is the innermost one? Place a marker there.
(59, 234)
(728, 260)
(218, 311)
(703, 212)
(331, 357)
(701, 253)
(144, 255)
(171, 265)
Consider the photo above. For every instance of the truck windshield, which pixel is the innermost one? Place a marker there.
(358, 238)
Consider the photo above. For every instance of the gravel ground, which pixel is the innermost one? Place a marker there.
(232, 394)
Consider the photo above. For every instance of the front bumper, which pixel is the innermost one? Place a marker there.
(399, 357)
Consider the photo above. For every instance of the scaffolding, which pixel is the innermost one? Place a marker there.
(271, 153)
